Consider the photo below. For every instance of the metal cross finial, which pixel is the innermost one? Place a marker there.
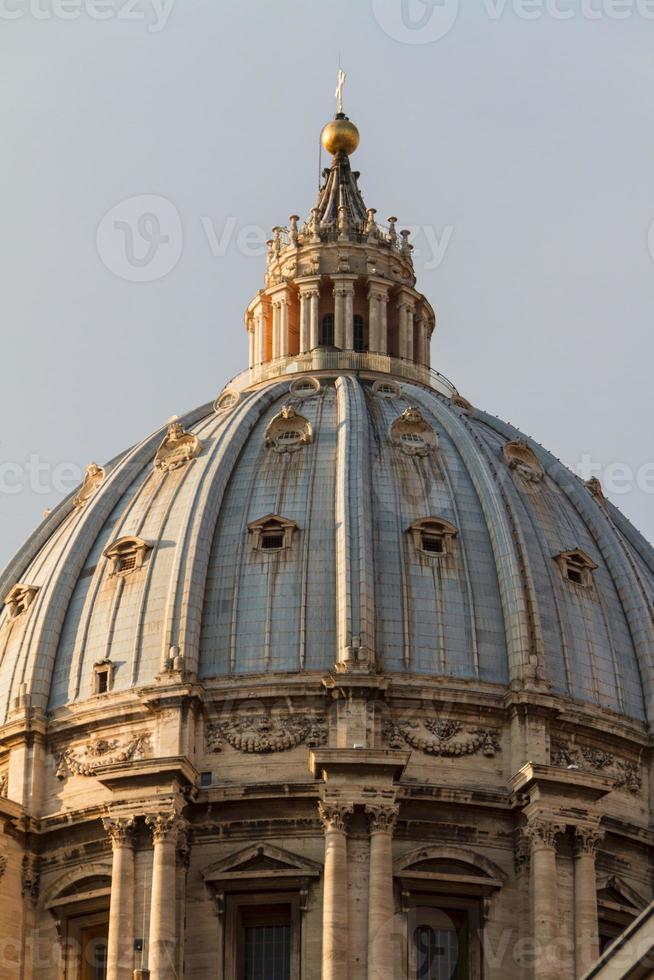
(339, 90)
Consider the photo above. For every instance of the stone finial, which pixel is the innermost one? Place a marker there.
(392, 232)
(120, 830)
(406, 247)
(382, 817)
(292, 228)
(335, 816)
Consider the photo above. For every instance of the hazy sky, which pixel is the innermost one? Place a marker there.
(517, 138)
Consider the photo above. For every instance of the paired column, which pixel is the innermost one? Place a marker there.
(275, 329)
(344, 313)
(259, 329)
(542, 835)
(422, 354)
(120, 954)
(381, 903)
(405, 327)
(335, 950)
(587, 841)
(308, 318)
(162, 945)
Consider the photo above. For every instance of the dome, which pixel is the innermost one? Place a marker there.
(354, 461)
(337, 676)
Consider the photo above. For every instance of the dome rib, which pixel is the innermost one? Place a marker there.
(520, 616)
(35, 653)
(598, 523)
(183, 622)
(355, 584)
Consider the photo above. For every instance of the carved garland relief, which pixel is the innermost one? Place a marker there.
(100, 752)
(266, 733)
(443, 738)
(627, 774)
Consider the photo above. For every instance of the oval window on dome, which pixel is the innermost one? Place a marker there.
(413, 434)
(386, 389)
(288, 432)
(226, 401)
(304, 387)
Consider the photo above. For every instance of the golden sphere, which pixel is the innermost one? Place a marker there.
(340, 134)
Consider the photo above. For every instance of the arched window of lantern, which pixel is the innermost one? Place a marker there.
(358, 333)
(327, 330)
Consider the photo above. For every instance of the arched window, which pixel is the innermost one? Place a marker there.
(327, 330)
(357, 331)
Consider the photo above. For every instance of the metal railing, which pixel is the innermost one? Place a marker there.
(335, 361)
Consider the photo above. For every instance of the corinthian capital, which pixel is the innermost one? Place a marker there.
(335, 816)
(543, 832)
(587, 840)
(120, 830)
(164, 826)
(382, 817)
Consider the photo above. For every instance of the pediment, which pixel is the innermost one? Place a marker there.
(447, 864)
(614, 892)
(261, 861)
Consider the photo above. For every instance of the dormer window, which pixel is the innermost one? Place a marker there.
(272, 534)
(126, 555)
(272, 539)
(20, 599)
(102, 676)
(433, 536)
(577, 567)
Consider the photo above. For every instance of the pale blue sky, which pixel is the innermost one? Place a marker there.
(525, 145)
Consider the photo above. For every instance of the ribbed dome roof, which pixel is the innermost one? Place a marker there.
(355, 583)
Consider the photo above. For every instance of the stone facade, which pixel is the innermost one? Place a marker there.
(338, 665)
